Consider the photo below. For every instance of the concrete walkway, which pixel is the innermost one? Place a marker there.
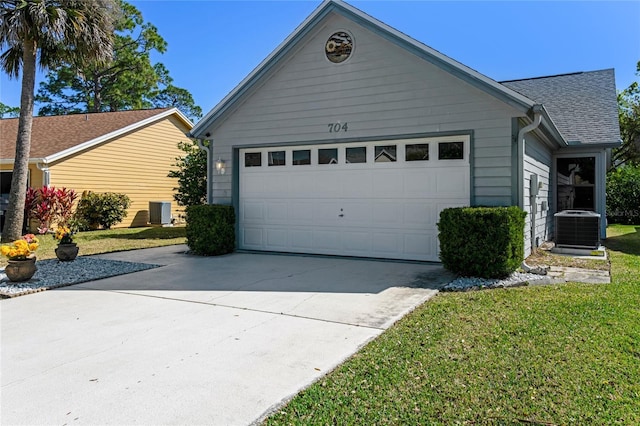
(218, 340)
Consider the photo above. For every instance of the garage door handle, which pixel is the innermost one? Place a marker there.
(341, 215)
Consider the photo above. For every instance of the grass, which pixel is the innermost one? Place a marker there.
(96, 242)
(546, 355)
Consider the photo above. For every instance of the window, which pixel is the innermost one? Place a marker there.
(252, 159)
(301, 157)
(328, 156)
(417, 152)
(385, 154)
(450, 150)
(576, 183)
(277, 158)
(339, 46)
(357, 155)
(5, 183)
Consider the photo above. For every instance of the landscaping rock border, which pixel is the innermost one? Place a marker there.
(52, 273)
(514, 280)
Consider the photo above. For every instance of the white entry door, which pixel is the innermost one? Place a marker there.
(374, 199)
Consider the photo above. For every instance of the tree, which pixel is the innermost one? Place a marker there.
(623, 194)
(45, 32)
(8, 111)
(629, 115)
(191, 175)
(128, 81)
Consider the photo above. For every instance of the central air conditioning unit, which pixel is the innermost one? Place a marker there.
(577, 228)
(160, 212)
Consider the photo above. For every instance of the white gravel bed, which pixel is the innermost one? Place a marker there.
(52, 273)
(514, 280)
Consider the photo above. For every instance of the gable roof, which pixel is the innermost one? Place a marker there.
(55, 137)
(417, 48)
(583, 105)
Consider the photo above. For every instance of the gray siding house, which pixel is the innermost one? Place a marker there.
(350, 138)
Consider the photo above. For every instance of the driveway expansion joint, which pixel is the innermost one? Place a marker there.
(262, 311)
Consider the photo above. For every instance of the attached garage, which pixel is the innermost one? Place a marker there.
(350, 138)
(371, 199)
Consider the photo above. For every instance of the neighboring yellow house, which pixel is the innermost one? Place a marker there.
(128, 152)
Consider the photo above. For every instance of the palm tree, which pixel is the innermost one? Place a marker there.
(45, 33)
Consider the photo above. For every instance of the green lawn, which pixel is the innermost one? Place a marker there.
(95, 242)
(556, 354)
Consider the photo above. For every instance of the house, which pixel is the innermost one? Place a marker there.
(413, 132)
(128, 152)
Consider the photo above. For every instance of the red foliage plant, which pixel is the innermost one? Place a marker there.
(48, 205)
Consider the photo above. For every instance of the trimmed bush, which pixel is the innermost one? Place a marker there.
(485, 242)
(623, 195)
(211, 229)
(95, 209)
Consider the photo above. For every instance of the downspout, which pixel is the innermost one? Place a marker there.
(537, 119)
(46, 174)
(207, 149)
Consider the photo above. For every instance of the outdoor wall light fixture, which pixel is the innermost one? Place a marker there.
(220, 166)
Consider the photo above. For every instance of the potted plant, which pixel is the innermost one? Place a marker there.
(21, 258)
(67, 250)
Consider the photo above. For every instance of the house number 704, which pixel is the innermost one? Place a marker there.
(337, 127)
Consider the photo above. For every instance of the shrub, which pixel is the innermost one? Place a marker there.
(485, 242)
(191, 175)
(211, 229)
(104, 210)
(623, 195)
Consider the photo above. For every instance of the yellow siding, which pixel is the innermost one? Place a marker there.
(135, 164)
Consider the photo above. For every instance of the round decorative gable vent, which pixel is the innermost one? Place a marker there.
(339, 47)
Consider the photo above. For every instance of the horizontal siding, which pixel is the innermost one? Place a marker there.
(136, 164)
(382, 90)
(537, 159)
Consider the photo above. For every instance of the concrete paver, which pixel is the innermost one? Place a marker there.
(197, 341)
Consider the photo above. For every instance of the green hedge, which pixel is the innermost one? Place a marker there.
(623, 195)
(485, 242)
(211, 229)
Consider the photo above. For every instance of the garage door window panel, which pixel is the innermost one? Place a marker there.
(356, 155)
(277, 158)
(417, 152)
(385, 154)
(451, 151)
(252, 159)
(328, 156)
(302, 157)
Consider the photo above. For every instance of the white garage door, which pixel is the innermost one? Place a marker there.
(375, 199)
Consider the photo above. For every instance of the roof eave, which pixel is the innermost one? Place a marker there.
(124, 130)
(33, 160)
(587, 146)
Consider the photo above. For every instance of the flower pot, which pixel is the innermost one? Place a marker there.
(20, 270)
(67, 252)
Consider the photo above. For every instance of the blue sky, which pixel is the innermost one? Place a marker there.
(213, 45)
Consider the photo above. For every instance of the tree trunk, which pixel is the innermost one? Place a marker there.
(15, 213)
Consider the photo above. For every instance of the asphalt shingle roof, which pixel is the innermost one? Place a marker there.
(582, 105)
(54, 134)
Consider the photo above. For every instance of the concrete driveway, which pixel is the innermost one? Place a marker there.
(218, 340)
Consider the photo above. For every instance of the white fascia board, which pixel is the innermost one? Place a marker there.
(31, 160)
(412, 45)
(93, 142)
